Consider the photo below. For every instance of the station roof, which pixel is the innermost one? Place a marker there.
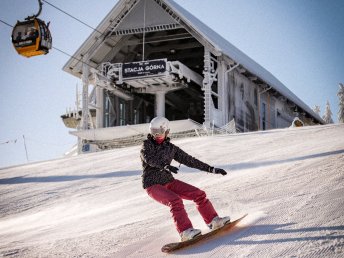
(197, 28)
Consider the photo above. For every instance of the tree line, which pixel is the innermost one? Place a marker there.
(327, 116)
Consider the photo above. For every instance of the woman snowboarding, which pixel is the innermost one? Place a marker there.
(157, 154)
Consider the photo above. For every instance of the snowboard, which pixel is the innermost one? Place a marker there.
(171, 247)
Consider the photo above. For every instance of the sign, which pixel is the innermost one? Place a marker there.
(144, 68)
(85, 148)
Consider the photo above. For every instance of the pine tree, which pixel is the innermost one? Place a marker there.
(328, 114)
(316, 109)
(340, 95)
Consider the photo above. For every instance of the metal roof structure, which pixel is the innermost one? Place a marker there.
(98, 44)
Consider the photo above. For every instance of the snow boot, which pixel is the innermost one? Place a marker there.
(218, 222)
(189, 233)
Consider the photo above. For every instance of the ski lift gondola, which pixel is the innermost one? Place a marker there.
(32, 36)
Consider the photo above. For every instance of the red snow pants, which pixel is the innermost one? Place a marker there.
(172, 194)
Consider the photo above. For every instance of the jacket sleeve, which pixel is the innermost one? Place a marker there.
(186, 159)
(149, 156)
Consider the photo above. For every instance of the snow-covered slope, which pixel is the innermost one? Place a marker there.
(289, 181)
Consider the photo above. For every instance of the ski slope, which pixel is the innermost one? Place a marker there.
(289, 181)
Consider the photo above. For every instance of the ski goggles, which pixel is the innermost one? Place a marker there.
(158, 131)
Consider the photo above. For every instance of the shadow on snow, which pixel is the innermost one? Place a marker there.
(247, 165)
(262, 231)
(232, 167)
(49, 179)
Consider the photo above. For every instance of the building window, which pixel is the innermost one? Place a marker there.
(136, 116)
(263, 116)
(215, 101)
(107, 112)
(122, 120)
(215, 88)
(242, 91)
(214, 97)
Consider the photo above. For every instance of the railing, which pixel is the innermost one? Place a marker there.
(181, 129)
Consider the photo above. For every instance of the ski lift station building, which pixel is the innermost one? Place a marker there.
(152, 58)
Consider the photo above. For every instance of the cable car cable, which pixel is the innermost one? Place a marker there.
(61, 51)
(72, 17)
(6, 23)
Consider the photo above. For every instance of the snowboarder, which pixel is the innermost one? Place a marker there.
(157, 154)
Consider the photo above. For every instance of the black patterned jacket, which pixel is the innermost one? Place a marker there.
(155, 156)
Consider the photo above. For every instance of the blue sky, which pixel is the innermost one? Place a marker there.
(301, 42)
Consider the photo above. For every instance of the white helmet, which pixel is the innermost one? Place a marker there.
(159, 125)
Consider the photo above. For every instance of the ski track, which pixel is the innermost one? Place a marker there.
(290, 182)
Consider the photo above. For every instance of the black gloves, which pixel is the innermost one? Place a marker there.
(217, 171)
(171, 169)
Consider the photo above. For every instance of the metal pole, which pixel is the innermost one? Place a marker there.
(27, 157)
(100, 107)
(160, 103)
(85, 82)
(84, 114)
(144, 31)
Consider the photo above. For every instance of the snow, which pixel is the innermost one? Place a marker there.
(289, 181)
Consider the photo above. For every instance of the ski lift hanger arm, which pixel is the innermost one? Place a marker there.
(36, 15)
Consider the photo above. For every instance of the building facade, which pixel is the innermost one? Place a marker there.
(152, 57)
